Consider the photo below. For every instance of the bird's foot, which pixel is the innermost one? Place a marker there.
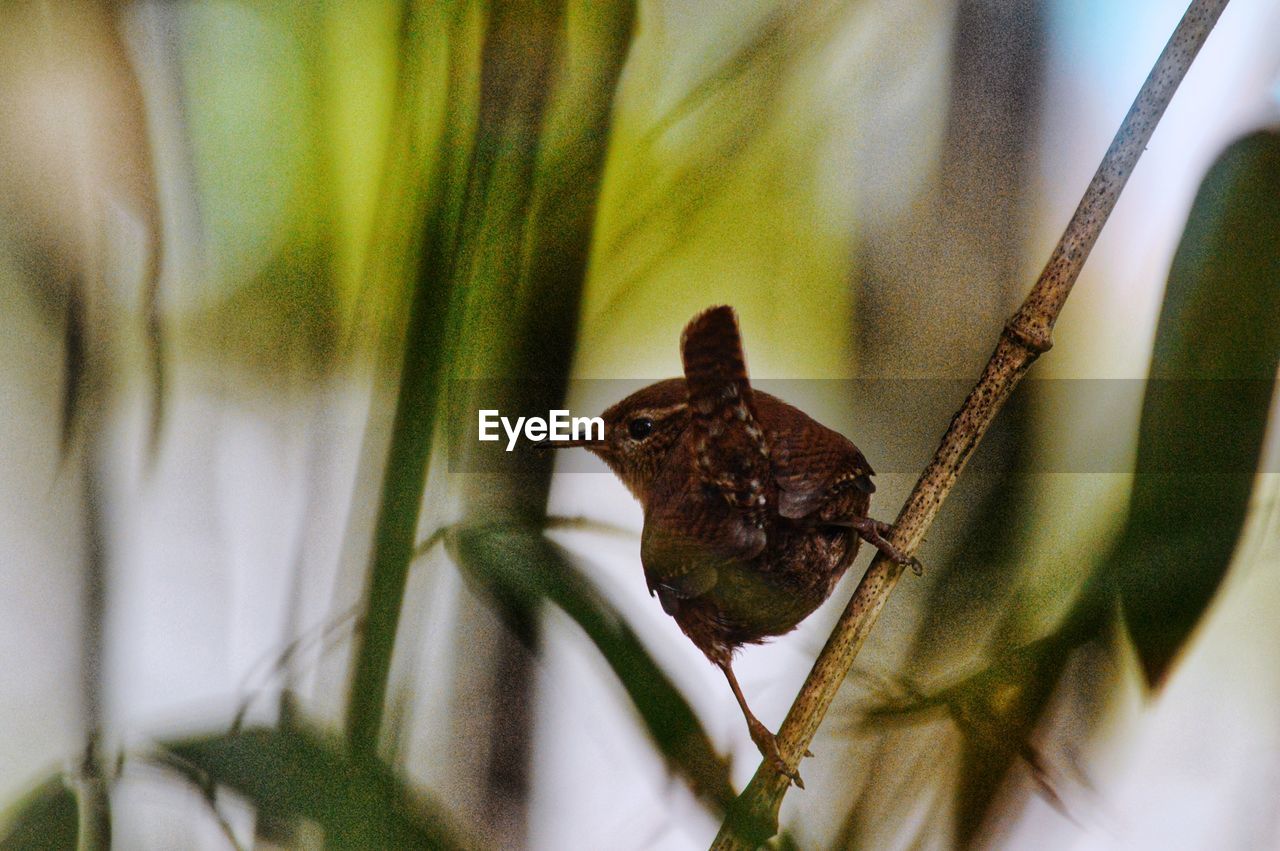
(768, 745)
(874, 531)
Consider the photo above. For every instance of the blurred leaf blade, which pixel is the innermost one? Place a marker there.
(74, 371)
(999, 709)
(1206, 407)
(46, 818)
(520, 569)
(415, 416)
(548, 80)
(295, 773)
(996, 711)
(1204, 419)
(976, 225)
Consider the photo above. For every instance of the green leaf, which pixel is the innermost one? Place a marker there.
(998, 708)
(1205, 411)
(416, 410)
(74, 377)
(520, 569)
(1203, 421)
(296, 773)
(45, 819)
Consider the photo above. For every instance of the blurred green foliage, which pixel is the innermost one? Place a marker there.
(293, 773)
(1208, 399)
(1205, 411)
(44, 820)
(522, 571)
(404, 474)
(426, 178)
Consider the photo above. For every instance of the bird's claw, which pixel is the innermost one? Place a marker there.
(791, 774)
(875, 532)
(768, 745)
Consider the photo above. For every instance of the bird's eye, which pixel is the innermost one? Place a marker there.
(640, 427)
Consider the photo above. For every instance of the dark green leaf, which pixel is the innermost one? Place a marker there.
(998, 708)
(415, 418)
(520, 569)
(45, 819)
(1205, 410)
(1203, 421)
(292, 774)
(73, 379)
(972, 587)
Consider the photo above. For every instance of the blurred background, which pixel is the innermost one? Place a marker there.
(261, 262)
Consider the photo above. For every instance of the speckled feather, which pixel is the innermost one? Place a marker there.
(742, 537)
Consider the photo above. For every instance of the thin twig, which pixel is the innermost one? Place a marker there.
(279, 663)
(168, 761)
(754, 816)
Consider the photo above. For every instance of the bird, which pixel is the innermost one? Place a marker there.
(752, 509)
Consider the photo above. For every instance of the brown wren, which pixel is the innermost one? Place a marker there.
(752, 510)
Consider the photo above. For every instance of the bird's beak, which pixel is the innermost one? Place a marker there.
(567, 444)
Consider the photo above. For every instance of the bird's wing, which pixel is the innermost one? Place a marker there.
(811, 464)
(730, 451)
(692, 535)
(676, 568)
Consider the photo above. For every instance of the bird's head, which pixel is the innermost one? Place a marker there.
(640, 433)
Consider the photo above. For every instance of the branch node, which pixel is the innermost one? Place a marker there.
(1034, 338)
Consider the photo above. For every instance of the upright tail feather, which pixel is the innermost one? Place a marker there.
(731, 452)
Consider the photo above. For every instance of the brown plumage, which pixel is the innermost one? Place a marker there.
(752, 510)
